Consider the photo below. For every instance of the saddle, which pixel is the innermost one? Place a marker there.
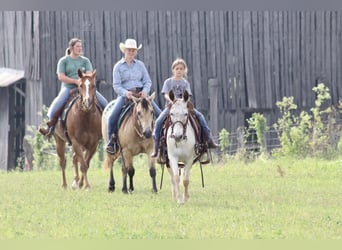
(200, 145)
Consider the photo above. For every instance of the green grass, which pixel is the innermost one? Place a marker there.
(239, 201)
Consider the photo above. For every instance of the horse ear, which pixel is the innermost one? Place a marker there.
(151, 97)
(80, 73)
(185, 96)
(94, 73)
(172, 95)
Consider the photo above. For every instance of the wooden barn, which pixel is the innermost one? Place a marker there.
(239, 62)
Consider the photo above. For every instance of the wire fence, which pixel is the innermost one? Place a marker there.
(249, 141)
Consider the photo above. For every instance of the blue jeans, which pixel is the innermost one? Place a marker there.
(113, 118)
(63, 97)
(163, 115)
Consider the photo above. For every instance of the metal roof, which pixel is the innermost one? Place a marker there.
(9, 76)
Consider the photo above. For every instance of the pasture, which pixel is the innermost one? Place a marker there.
(266, 199)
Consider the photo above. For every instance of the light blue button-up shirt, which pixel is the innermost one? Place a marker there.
(126, 77)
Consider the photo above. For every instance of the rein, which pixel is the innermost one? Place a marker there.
(137, 125)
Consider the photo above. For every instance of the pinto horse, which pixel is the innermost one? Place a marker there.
(82, 128)
(181, 145)
(134, 137)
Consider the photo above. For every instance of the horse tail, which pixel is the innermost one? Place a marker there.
(108, 162)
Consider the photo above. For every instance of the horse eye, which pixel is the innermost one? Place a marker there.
(139, 113)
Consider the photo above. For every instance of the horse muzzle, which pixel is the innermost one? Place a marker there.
(147, 134)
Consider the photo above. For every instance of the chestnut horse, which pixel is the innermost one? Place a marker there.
(82, 129)
(134, 137)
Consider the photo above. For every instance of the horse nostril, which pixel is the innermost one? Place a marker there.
(147, 134)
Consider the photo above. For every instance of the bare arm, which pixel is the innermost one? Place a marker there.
(63, 78)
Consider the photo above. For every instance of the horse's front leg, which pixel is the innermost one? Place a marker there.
(175, 179)
(76, 176)
(186, 180)
(131, 172)
(127, 168)
(88, 155)
(124, 178)
(153, 173)
(83, 164)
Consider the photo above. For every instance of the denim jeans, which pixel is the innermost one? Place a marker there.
(63, 97)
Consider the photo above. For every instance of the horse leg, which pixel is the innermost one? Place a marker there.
(186, 181)
(80, 158)
(127, 168)
(124, 178)
(76, 176)
(88, 155)
(175, 179)
(60, 149)
(153, 174)
(131, 172)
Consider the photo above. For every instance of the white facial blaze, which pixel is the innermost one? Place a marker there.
(87, 83)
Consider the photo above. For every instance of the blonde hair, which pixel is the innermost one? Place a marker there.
(182, 62)
(71, 44)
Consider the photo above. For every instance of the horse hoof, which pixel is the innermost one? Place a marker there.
(111, 189)
(74, 185)
(154, 190)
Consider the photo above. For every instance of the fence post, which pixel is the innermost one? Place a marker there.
(213, 104)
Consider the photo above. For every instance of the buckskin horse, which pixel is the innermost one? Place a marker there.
(134, 137)
(81, 128)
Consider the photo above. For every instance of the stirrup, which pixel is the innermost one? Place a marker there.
(111, 149)
(46, 132)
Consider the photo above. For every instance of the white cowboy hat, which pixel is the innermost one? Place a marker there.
(129, 44)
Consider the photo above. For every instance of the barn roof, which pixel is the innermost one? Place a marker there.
(9, 76)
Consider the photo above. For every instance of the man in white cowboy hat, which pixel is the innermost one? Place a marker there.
(130, 77)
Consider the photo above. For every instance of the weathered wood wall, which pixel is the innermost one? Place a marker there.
(257, 57)
(19, 49)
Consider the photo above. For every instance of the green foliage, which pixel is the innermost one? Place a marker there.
(258, 123)
(224, 140)
(307, 135)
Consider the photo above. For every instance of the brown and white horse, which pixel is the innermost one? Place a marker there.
(83, 127)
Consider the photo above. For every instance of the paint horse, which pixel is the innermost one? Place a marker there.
(81, 128)
(134, 137)
(183, 149)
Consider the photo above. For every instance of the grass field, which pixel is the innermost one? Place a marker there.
(273, 199)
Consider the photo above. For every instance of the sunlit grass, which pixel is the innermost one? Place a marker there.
(273, 199)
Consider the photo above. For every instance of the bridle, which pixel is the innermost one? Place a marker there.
(138, 126)
(184, 125)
